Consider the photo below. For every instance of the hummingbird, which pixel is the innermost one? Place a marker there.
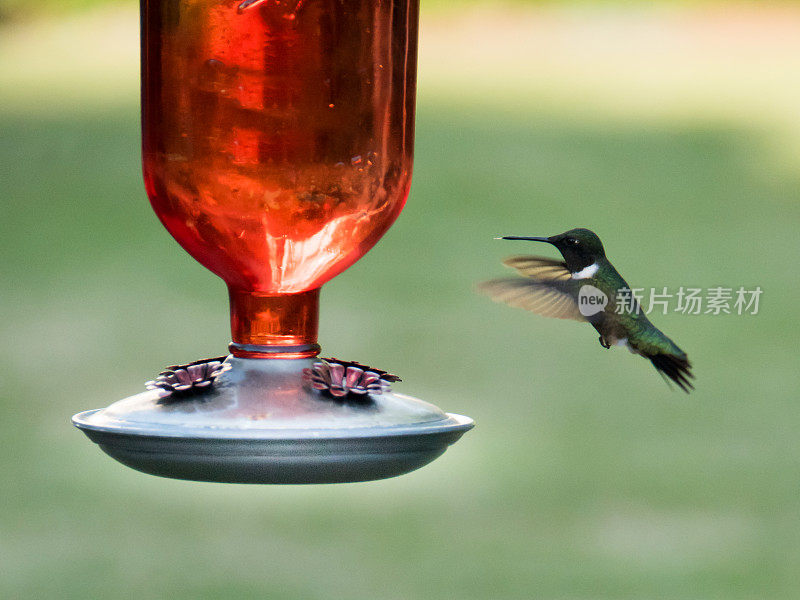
(585, 286)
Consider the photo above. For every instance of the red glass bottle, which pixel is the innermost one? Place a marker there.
(278, 145)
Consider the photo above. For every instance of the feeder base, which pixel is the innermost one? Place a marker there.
(259, 423)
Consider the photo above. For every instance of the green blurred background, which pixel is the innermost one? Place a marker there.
(672, 129)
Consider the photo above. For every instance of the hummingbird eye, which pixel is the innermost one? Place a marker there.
(571, 241)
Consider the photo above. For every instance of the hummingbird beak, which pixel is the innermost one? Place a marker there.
(526, 238)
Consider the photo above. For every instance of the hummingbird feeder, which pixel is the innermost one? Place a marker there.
(277, 147)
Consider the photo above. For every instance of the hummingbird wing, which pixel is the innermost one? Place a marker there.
(546, 289)
(539, 268)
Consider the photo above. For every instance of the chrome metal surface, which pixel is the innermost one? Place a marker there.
(260, 423)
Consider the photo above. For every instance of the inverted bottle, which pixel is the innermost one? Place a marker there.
(277, 146)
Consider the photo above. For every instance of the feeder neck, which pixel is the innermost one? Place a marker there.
(274, 326)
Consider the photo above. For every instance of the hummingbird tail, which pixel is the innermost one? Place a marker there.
(676, 368)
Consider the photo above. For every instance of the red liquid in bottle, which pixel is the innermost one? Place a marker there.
(278, 143)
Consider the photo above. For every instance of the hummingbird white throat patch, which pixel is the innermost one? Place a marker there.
(591, 300)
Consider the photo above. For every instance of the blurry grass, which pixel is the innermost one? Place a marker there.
(586, 477)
